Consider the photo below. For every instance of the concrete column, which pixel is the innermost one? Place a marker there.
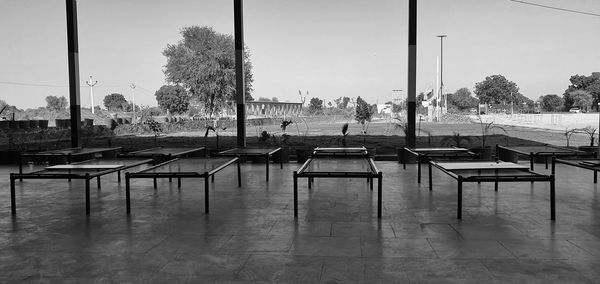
(238, 14)
(73, 62)
(412, 73)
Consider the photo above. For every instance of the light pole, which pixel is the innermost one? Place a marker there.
(92, 83)
(441, 91)
(397, 100)
(132, 86)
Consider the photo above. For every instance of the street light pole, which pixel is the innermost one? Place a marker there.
(132, 86)
(397, 100)
(92, 83)
(441, 91)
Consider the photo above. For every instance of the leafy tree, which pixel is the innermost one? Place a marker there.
(204, 63)
(129, 107)
(275, 99)
(581, 98)
(115, 101)
(342, 102)
(462, 99)
(591, 84)
(56, 103)
(173, 98)
(551, 102)
(315, 105)
(364, 111)
(496, 89)
(263, 99)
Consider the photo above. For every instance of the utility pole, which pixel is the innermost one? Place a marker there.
(132, 86)
(396, 100)
(442, 72)
(92, 83)
(302, 99)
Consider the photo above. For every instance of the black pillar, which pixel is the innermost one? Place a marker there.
(238, 7)
(74, 97)
(412, 73)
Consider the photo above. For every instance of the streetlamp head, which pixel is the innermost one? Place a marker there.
(442, 36)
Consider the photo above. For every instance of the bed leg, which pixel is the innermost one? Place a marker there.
(206, 184)
(13, 203)
(127, 194)
(459, 201)
(552, 198)
(379, 193)
(418, 168)
(87, 194)
(430, 177)
(296, 193)
(267, 166)
(239, 174)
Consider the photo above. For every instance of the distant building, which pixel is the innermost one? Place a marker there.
(384, 108)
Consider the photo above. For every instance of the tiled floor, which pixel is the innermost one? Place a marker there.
(251, 235)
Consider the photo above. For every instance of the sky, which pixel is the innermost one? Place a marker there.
(328, 48)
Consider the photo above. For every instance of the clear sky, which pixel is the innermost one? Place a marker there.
(330, 48)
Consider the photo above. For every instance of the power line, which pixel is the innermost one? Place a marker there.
(31, 84)
(556, 8)
(54, 86)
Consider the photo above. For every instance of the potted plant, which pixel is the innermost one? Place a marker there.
(590, 132)
(303, 150)
(456, 140)
(155, 127)
(344, 134)
(214, 128)
(485, 152)
(568, 133)
(283, 142)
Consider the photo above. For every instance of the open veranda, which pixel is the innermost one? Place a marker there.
(251, 234)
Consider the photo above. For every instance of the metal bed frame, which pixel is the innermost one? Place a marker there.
(146, 173)
(69, 154)
(545, 151)
(339, 154)
(454, 169)
(256, 152)
(162, 154)
(593, 165)
(427, 154)
(85, 170)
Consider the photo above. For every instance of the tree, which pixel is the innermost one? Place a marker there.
(342, 102)
(315, 105)
(591, 84)
(275, 99)
(56, 103)
(551, 102)
(364, 111)
(203, 62)
(462, 99)
(115, 102)
(173, 98)
(263, 99)
(581, 98)
(496, 89)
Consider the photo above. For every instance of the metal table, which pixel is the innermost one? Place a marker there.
(325, 164)
(255, 152)
(545, 151)
(86, 170)
(593, 165)
(491, 172)
(70, 155)
(184, 168)
(427, 154)
(161, 154)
